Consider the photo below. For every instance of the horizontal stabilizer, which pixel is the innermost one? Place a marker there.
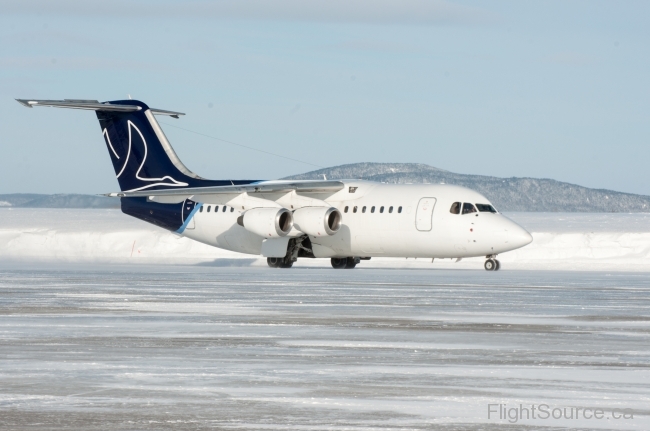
(92, 105)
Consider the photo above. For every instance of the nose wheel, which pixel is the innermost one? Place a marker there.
(492, 265)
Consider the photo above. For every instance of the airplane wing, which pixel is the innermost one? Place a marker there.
(314, 186)
(247, 195)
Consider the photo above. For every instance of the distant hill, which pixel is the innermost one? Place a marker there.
(507, 194)
(29, 200)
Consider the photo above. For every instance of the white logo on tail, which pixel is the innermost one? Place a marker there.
(174, 182)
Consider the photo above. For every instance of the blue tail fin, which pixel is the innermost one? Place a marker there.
(141, 154)
(142, 157)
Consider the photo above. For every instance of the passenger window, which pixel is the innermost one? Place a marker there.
(232, 209)
(372, 210)
(224, 209)
(208, 208)
(455, 208)
(381, 210)
(201, 209)
(485, 208)
(354, 210)
(468, 208)
(363, 210)
(346, 209)
(399, 210)
(390, 210)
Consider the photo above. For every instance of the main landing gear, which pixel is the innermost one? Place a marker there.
(279, 262)
(297, 247)
(345, 262)
(491, 264)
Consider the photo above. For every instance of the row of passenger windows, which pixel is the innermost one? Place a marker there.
(456, 208)
(216, 208)
(467, 208)
(372, 209)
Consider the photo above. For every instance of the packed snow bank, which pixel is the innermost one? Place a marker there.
(561, 241)
(580, 241)
(95, 236)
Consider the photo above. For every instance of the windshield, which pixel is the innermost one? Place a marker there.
(468, 208)
(485, 208)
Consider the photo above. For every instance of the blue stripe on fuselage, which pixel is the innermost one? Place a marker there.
(189, 217)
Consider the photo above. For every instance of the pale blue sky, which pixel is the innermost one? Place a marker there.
(542, 89)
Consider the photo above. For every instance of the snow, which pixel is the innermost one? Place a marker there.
(109, 323)
(89, 235)
(567, 241)
(105, 346)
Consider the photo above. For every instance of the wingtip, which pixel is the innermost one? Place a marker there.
(24, 102)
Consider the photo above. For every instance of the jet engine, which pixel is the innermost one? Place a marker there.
(317, 221)
(267, 222)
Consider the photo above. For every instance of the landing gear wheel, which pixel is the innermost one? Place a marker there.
(339, 262)
(351, 262)
(490, 265)
(498, 265)
(279, 262)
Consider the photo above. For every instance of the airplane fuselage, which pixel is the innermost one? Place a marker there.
(380, 220)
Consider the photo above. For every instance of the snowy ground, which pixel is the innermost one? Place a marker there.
(99, 330)
(576, 241)
(161, 347)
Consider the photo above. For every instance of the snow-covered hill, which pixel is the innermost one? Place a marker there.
(507, 194)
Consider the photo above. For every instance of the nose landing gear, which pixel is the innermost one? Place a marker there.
(491, 264)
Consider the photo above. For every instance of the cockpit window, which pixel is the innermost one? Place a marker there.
(455, 208)
(468, 208)
(485, 208)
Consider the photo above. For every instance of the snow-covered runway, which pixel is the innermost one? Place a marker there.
(200, 347)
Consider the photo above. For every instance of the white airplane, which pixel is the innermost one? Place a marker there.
(346, 221)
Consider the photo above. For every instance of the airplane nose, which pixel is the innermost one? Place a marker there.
(518, 236)
(507, 235)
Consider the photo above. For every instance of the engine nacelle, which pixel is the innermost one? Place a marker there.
(317, 221)
(267, 222)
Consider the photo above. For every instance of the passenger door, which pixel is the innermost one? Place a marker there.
(424, 213)
(188, 206)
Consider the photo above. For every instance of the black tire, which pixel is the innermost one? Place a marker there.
(490, 265)
(498, 265)
(285, 263)
(351, 263)
(273, 262)
(339, 262)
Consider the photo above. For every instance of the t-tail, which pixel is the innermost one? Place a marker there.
(142, 156)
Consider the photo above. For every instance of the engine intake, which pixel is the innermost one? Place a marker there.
(267, 222)
(317, 221)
